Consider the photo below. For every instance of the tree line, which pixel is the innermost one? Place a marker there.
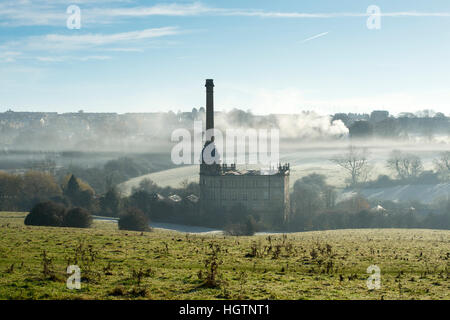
(314, 207)
(406, 168)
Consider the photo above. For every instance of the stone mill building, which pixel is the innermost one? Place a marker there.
(224, 186)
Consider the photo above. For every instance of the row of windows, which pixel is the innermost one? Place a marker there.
(242, 195)
(236, 183)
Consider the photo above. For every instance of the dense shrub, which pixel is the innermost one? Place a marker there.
(247, 228)
(77, 218)
(134, 219)
(46, 214)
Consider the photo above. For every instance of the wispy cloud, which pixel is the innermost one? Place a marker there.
(300, 15)
(125, 49)
(174, 9)
(315, 37)
(72, 58)
(198, 9)
(16, 13)
(28, 13)
(59, 41)
(9, 56)
(86, 41)
(84, 45)
(50, 59)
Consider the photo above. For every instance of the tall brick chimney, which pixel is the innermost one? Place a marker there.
(209, 104)
(206, 167)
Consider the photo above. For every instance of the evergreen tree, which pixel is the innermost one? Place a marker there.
(110, 203)
(72, 189)
(79, 193)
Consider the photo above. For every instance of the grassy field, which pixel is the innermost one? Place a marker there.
(114, 264)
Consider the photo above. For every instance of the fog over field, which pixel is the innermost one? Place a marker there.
(147, 132)
(308, 141)
(306, 158)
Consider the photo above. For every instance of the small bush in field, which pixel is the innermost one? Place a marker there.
(212, 263)
(135, 220)
(78, 218)
(46, 214)
(248, 228)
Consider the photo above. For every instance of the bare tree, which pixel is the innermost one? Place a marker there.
(184, 184)
(147, 185)
(442, 165)
(406, 165)
(356, 163)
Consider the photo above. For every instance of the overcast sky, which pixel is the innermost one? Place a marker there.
(267, 56)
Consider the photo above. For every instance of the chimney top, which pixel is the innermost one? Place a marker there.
(209, 83)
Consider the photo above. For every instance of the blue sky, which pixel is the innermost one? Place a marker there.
(267, 56)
